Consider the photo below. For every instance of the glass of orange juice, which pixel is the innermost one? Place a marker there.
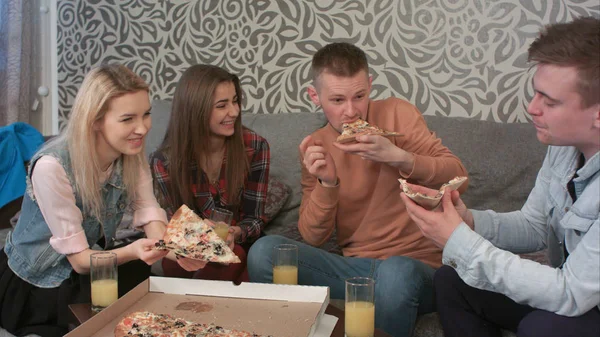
(103, 275)
(285, 264)
(221, 218)
(360, 307)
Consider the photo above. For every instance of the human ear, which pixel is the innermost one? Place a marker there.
(314, 96)
(97, 124)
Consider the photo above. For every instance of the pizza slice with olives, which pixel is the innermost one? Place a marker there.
(149, 324)
(189, 236)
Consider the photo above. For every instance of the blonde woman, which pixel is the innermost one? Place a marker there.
(77, 188)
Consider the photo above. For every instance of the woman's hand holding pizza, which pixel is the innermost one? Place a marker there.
(318, 161)
(235, 233)
(190, 264)
(144, 250)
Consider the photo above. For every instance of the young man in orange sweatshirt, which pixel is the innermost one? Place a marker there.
(353, 188)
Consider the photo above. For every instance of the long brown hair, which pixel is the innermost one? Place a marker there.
(186, 141)
(100, 86)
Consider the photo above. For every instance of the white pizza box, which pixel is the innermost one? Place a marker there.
(265, 309)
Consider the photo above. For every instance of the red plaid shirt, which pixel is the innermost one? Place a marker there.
(250, 218)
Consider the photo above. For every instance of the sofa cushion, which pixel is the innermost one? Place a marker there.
(502, 160)
(277, 195)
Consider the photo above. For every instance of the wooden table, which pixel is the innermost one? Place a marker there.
(83, 312)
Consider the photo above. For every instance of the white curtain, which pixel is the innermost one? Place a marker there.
(17, 55)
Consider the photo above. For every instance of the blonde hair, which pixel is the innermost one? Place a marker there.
(100, 86)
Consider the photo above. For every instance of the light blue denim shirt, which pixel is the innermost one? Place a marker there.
(549, 219)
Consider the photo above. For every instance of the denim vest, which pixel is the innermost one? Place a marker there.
(30, 255)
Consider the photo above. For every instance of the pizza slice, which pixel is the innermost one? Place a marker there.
(360, 127)
(427, 201)
(189, 236)
(148, 324)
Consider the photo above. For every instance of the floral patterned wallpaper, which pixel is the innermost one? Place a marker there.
(448, 57)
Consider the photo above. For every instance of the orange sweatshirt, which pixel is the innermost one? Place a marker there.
(365, 206)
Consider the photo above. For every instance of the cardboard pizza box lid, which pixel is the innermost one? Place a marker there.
(269, 309)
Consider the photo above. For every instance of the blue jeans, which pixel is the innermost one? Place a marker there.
(403, 286)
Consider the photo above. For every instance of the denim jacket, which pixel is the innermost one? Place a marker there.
(30, 255)
(549, 219)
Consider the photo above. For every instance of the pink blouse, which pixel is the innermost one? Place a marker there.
(55, 196)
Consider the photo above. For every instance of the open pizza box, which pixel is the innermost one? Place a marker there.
(265, 309)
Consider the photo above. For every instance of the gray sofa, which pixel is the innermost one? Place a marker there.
(502, 161)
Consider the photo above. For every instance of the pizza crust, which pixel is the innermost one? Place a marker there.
(343, 139)
(431, 202)
(121, 330)
(360, 128)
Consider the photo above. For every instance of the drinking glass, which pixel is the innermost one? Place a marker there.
(360, 307)
(221, 219)
(104, 278)
(285, 264)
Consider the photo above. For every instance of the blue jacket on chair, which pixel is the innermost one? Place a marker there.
(18, 143)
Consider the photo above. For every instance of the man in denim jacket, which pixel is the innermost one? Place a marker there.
(484, 286)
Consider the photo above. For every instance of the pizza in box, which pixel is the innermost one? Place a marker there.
(149, 324)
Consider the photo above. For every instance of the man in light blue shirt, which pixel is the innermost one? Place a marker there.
(484, 285)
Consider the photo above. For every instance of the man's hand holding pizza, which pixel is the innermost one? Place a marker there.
(379, 149)
(438, 224)
(318, 161)
(459, 205)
